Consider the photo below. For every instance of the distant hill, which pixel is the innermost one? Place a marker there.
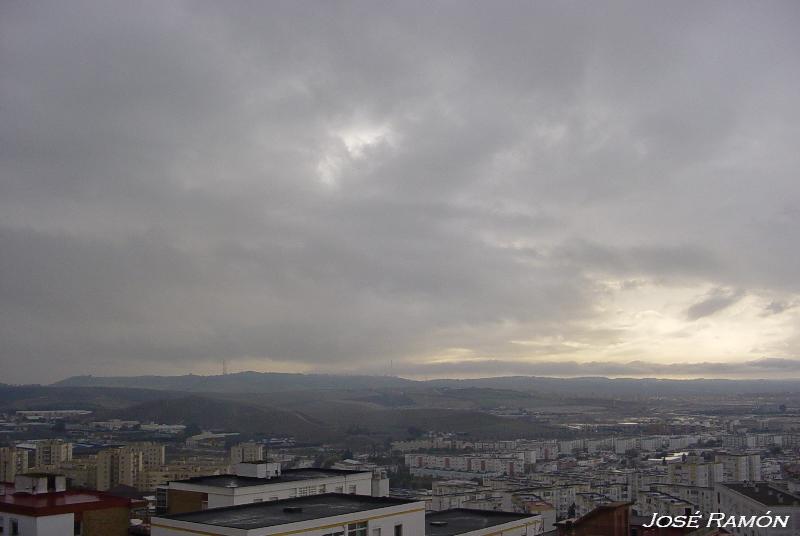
(322, 424)
(589, 387)
(241, 382)
(638, 388)
(35, 397)
(216, 414)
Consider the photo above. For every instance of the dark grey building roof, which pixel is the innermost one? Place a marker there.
(290, 475)
(765, 493)
(461, 520)
(272, 513)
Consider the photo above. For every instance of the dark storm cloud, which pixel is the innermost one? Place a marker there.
(332, 184)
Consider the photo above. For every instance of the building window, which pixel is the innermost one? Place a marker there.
(351, 489)
(14, 527)
(357, 529)
(398, 530)
(376, 532)
(337, 533)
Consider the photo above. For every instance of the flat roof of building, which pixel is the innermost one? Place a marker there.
(290, 475)
(765, 493)
(461, 520)
(272, 513)
(62, 502)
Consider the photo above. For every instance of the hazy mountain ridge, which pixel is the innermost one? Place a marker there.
(255, 382)
(238, 382)
(38, 397)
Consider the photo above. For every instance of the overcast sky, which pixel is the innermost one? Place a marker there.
(455, 188)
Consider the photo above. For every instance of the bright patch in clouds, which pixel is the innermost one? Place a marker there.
(653, 323)
(348, 146)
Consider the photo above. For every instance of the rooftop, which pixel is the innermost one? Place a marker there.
(62, 502)
(461, 520)
(290, 475)
(272, 513)
(765, 493)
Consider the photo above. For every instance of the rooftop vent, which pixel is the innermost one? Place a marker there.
(292, 509)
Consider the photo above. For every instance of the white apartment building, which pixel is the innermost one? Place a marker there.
(246, 487)
(448, 494)
(624, 444)
(562, 497)
(651, 444)
(52, 414)
(247, 452)
(681, 442)
(345, 515)
(740, 467)
(128, 465)
(323, 515)
(571, 445)
(755, 499)
(703, 498)
(598, 445)
(662, 503)
(588, 501)
(695, 473)
(52, 452)
(465, 466)
(13, 462)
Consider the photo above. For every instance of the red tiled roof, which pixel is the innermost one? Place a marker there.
(62, 502)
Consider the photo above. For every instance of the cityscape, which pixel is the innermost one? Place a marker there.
(409, 457)
(399, 268)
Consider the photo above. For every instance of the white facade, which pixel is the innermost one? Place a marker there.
(465, 465)
(734, 501)
(695, 474)
(52, 452)
(13, 461)
(247, 452)
(623, 444)
(740, 467)
(273, 490)
(258, 470)
(55, 525)
(375, 522)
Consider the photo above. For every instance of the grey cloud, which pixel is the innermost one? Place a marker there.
(761, 368)
(160, 197)
(777, 307)
(713, 302)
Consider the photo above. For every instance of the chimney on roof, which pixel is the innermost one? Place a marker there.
(39, 483)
